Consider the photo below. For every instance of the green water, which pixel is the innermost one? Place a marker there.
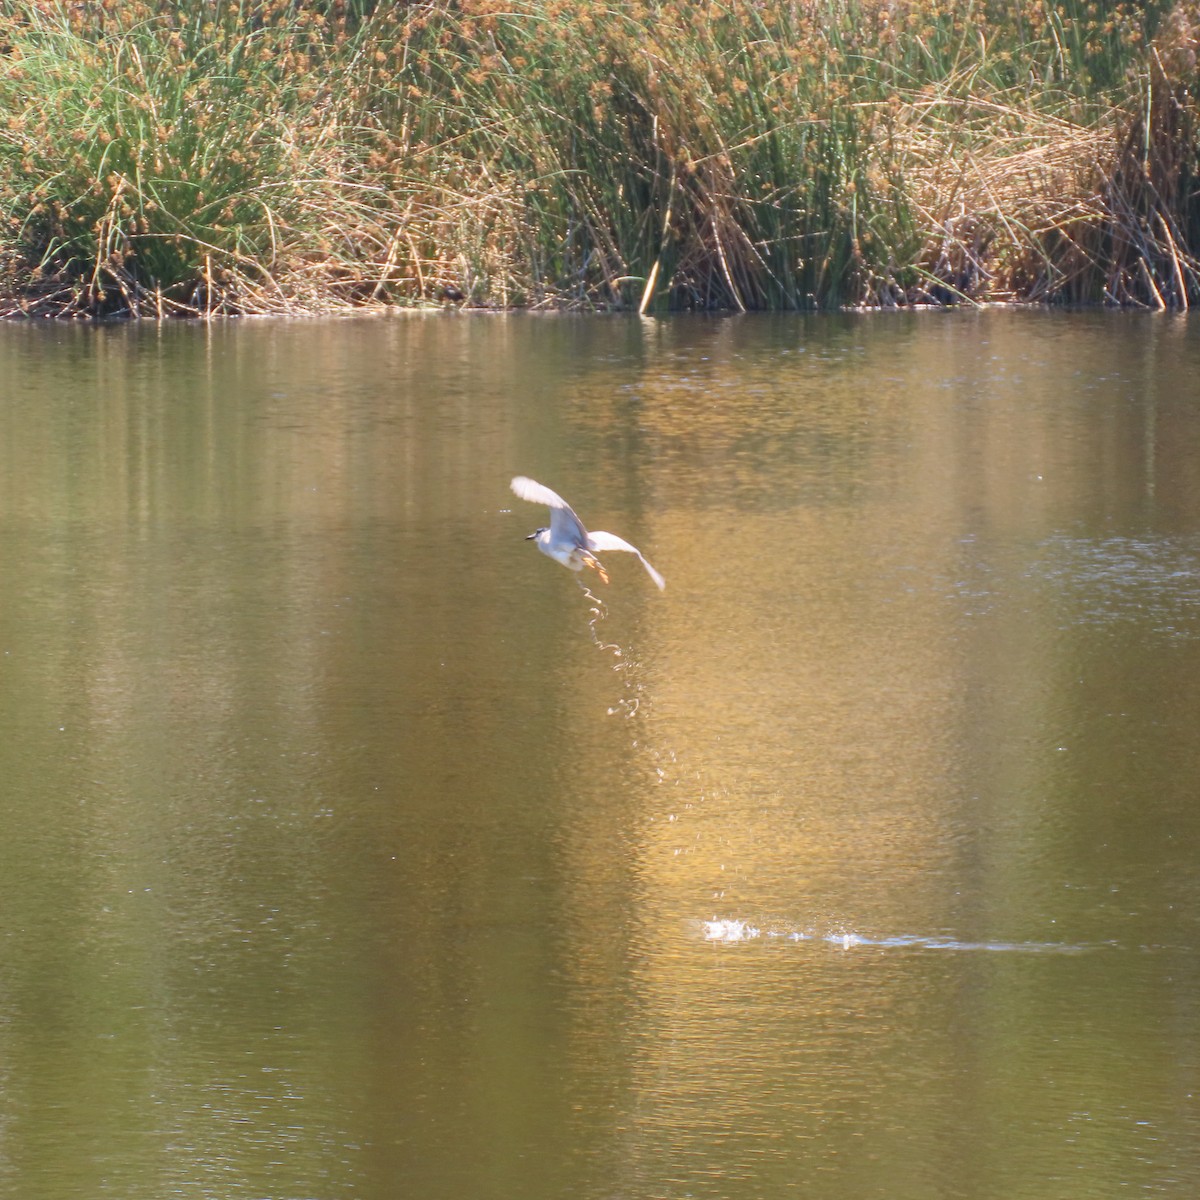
(351, 850)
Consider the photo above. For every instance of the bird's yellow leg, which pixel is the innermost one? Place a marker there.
(598, 567)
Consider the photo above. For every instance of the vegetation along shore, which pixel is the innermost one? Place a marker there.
(208, 157)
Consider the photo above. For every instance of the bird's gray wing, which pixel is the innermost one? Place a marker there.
(563, 521)
(598, 540)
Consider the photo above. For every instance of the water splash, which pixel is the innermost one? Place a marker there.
(628, 705)
(597, 613)
(731, 930)
(635, 704)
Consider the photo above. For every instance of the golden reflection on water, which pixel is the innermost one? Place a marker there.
(861, 721)
(854, 538)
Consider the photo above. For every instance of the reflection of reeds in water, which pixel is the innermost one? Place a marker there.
(203, 158)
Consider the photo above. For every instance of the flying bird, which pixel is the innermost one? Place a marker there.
(566, 541)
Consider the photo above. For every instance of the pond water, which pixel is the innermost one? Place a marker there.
(352, 849)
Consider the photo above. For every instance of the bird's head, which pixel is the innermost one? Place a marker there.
(537, 533)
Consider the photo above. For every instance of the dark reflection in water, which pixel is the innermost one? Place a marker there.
(351, 850)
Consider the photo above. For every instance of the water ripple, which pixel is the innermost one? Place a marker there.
(1128, 578)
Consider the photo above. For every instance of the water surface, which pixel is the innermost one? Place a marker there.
(351, 850)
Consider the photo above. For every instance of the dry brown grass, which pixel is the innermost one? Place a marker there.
(209, 157)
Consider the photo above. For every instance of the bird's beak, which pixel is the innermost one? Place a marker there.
(532, 537)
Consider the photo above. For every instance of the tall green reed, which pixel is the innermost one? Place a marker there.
(216, 155)
(171, 158)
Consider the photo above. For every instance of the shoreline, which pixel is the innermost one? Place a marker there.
(401, 311)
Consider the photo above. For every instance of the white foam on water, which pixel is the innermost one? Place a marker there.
(729, 929)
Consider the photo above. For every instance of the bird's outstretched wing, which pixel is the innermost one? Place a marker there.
(563, 521)
(537, 493)
(598, 540)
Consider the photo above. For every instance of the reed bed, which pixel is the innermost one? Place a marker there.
(216, 157)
